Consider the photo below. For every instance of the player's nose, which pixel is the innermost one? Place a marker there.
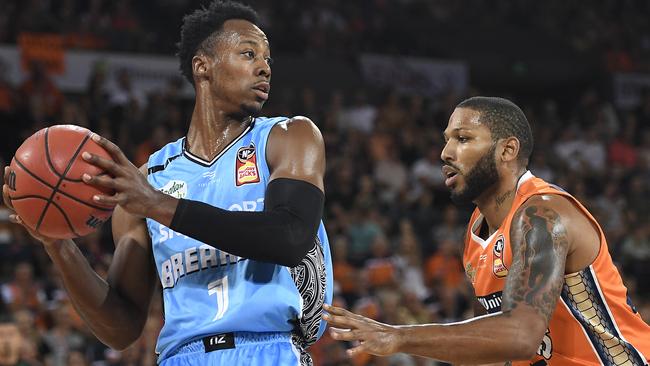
(264, 69)
(446, 154)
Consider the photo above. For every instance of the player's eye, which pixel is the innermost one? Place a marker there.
(249, 54)
(269, 61)
(462, 139)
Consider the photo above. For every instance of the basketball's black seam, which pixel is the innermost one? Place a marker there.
(56, 188)
(47, 154)
(68, 196)
(66, 219)
(23, 167)
(54, 203)
(28, 196)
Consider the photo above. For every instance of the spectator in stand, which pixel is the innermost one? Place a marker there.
(622, 151)
(426, 173)
(62, 338)
(23, 292)
(345, 274)
(445, 276)
(10, 341)
(380, 265)
(450, 228)
(360, 116)
(635, 254)
(40, 95)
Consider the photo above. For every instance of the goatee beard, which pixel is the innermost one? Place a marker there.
(483, 176)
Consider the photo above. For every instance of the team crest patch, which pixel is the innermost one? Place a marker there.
(498, 267)
(246, 166)
(175, 188)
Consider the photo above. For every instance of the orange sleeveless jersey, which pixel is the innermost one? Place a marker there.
(594, 323)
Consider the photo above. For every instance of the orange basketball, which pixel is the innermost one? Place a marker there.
(45, 185)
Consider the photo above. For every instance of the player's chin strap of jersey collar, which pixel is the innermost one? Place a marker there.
(282, 234)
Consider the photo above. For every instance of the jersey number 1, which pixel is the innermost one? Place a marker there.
(220, 288)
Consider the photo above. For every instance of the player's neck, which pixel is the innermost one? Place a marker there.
(211, 129)
(496, 202)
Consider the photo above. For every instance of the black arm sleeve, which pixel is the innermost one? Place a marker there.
(282, 234)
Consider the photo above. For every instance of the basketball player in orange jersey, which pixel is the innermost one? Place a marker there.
(546, 287)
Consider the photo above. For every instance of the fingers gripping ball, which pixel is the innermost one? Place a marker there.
(45, 185)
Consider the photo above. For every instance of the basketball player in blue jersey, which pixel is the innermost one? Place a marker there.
(227, 219)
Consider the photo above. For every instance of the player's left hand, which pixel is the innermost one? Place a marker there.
(370, 336)
(132, 190)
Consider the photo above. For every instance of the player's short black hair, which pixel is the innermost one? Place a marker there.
(201, 28)
(504, 119)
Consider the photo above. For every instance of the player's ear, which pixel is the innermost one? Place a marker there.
(200, 67)
(510, 149)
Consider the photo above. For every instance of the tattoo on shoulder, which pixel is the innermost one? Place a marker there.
(539, 247)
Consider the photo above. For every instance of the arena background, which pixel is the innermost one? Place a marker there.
(379, 78)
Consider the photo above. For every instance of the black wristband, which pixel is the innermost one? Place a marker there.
(282, 234)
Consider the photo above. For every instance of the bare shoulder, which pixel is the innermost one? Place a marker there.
(296, 150)
(298, 127)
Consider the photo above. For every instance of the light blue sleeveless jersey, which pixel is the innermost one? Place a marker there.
(207, 291)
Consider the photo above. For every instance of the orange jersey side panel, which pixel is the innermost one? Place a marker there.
(593, 322)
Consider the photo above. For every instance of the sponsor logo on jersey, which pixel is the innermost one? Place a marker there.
(246, 171)
(491, 302)
(498, 267)
(175, 188)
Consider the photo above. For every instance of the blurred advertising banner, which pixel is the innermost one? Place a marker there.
(412, 75)
(629, 88)
(44, 48)
(146, 72)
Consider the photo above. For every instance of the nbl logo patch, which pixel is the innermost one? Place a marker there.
(498, 267)
(246, 166)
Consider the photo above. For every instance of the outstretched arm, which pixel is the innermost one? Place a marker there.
(539, 243)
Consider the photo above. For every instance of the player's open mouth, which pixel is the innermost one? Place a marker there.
(450, 175)
(262, 90)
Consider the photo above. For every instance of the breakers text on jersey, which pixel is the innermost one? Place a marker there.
(192, 260)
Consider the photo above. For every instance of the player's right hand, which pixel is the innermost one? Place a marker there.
(13, 217)
(370, 336)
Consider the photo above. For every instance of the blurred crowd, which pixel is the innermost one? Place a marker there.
(616, 28)
(396, 238)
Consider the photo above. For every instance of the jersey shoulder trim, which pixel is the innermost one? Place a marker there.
(160, 159)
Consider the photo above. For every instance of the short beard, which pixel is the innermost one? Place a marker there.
(483, 176)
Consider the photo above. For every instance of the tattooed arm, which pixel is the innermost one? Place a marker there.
(539, 244)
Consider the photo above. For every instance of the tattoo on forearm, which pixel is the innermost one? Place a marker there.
(539, 246)
(502, 198)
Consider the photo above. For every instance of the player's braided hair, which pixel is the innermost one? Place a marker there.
(504, 119)
(201, 28)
